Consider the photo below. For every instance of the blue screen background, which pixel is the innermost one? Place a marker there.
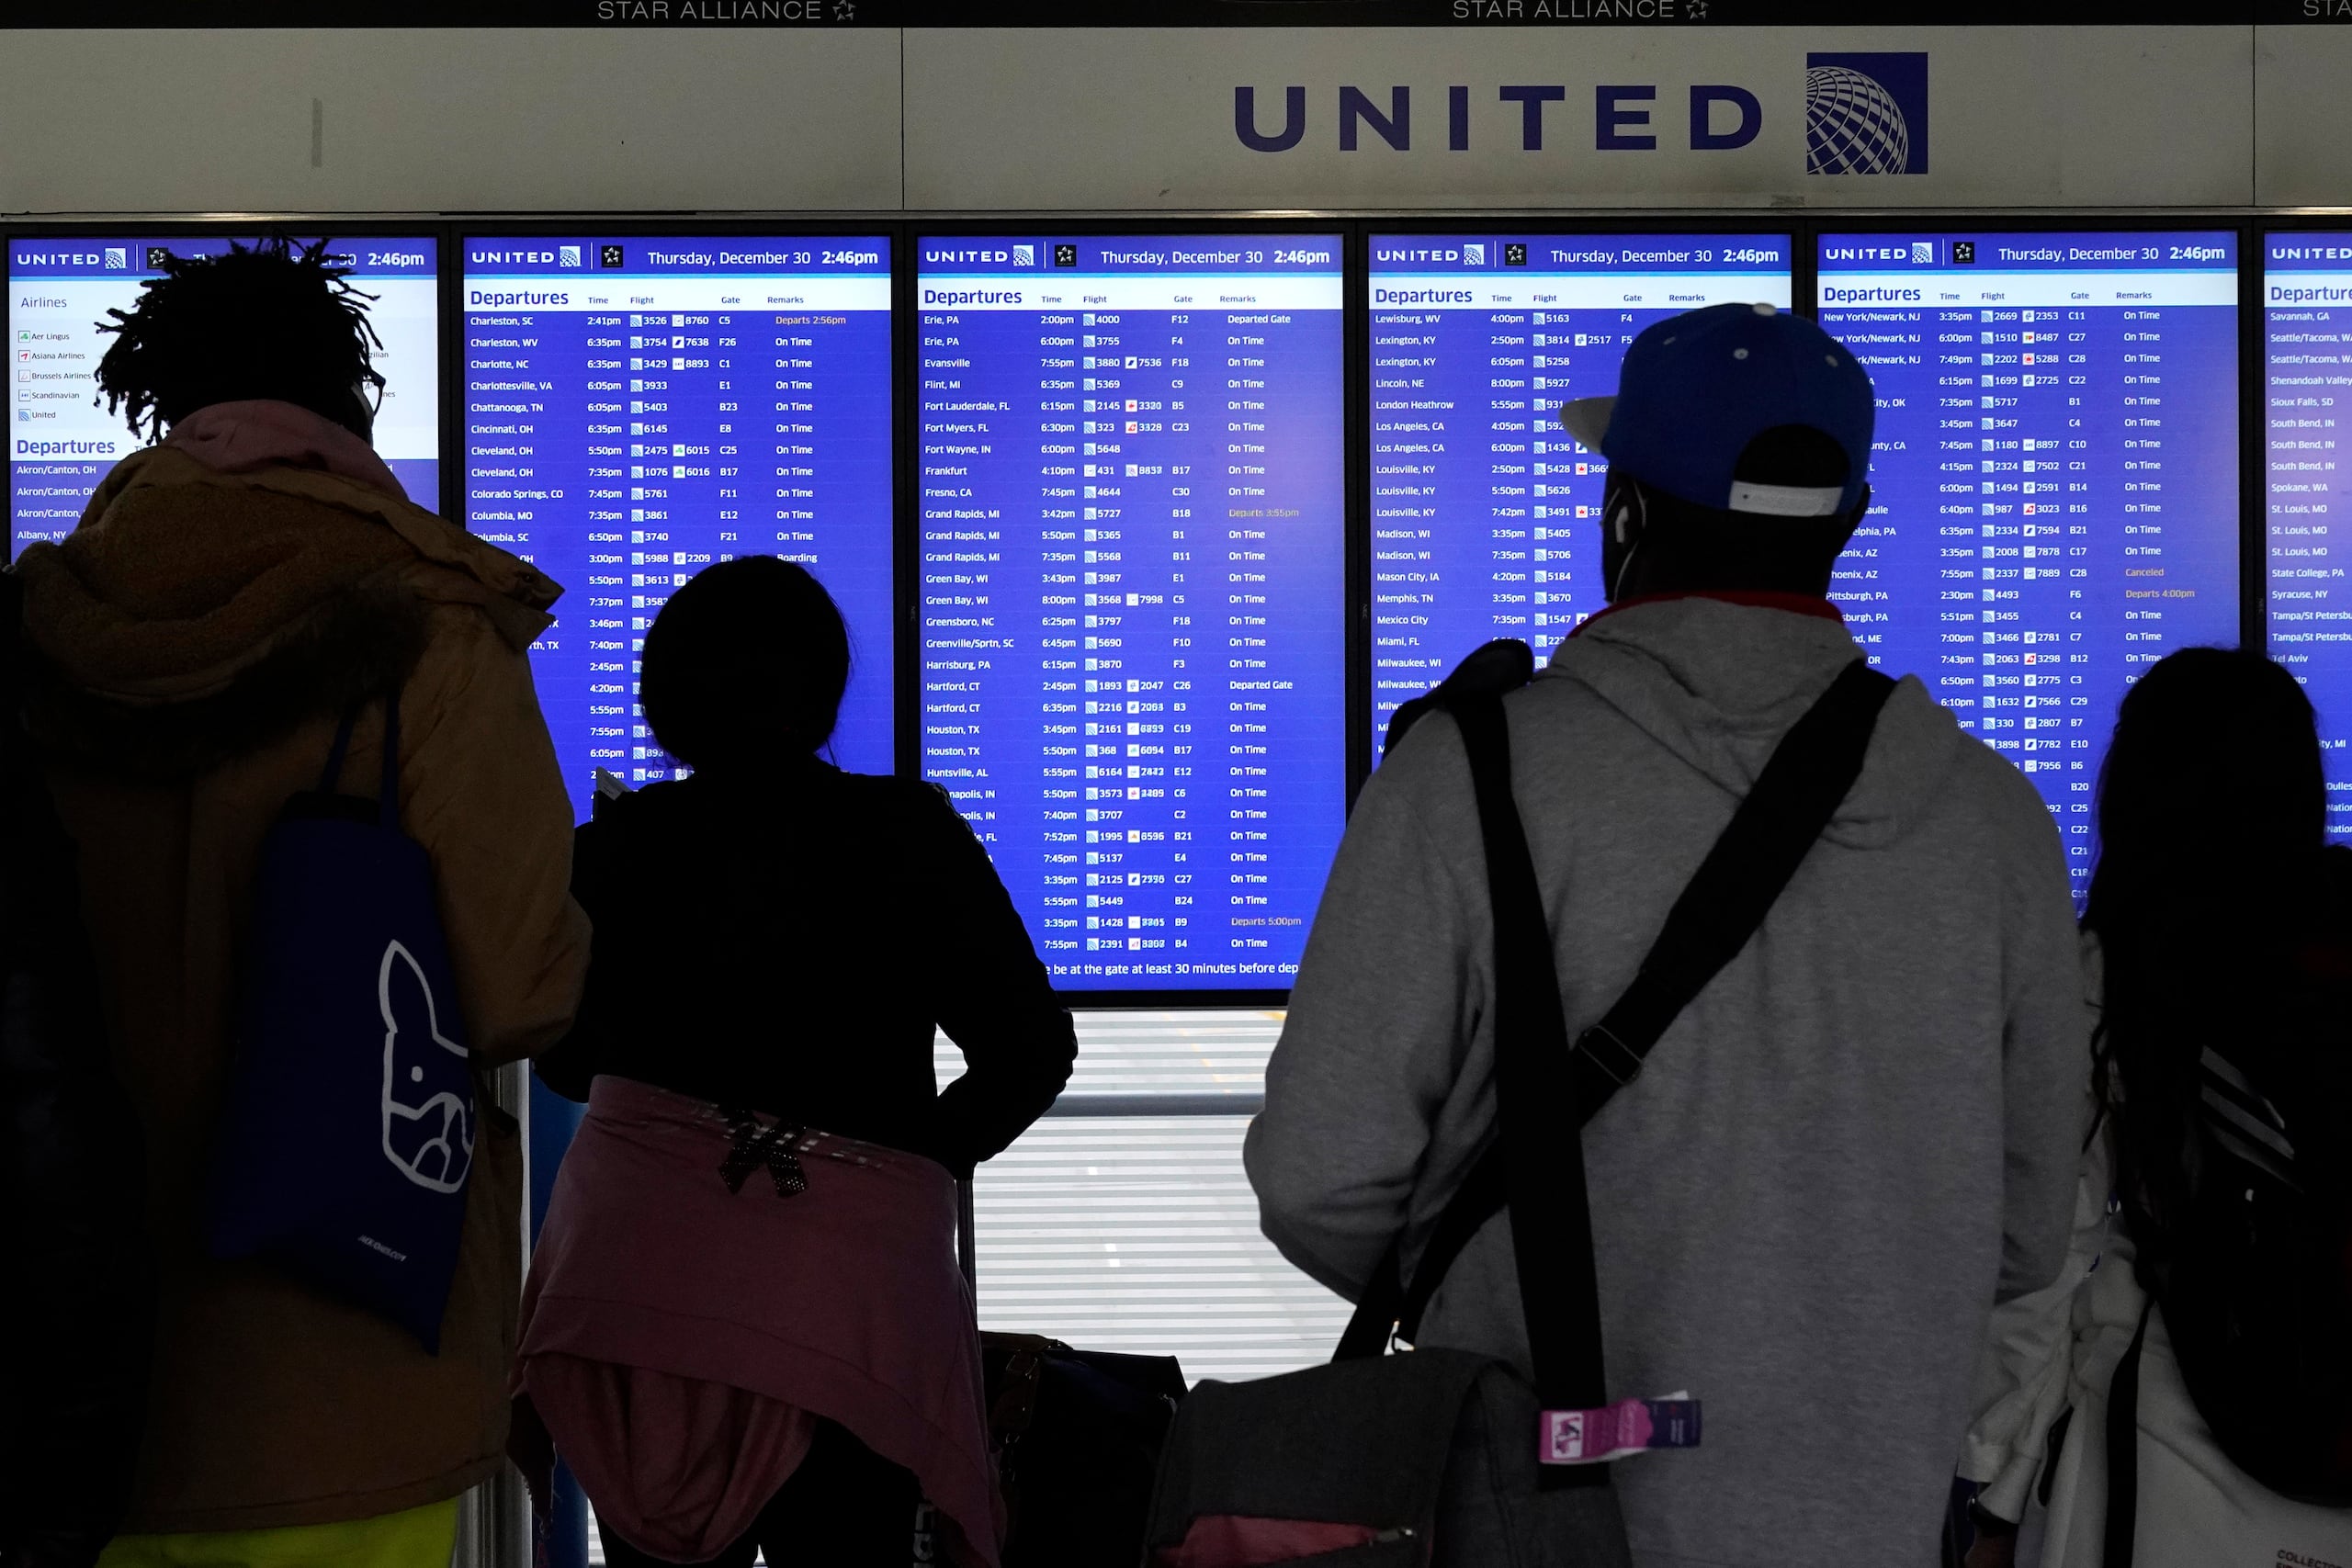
(627, 424)
(2056, 485)
(60, 289)
(2307, 351)
(1134, 634)
(1485, 512)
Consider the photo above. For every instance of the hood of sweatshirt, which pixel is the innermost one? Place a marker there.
(1718, 684)
(224, 588)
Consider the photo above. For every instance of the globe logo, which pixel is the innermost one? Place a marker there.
(1852, 125)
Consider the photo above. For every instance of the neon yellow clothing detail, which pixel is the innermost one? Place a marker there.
(418, 1537)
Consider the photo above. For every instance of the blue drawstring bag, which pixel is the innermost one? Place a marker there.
(348, 1129)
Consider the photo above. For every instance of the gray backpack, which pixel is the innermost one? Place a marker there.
(1379, 1461)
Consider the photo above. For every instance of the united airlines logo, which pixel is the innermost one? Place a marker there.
(1866, 114)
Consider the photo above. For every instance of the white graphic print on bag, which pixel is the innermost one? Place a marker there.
(428, 1125)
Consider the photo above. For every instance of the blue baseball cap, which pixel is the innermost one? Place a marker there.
(1696, 388)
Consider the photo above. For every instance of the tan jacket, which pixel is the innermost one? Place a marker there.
(194, 641)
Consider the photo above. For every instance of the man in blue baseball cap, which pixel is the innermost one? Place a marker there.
(1739, 446)
(1847, 1142)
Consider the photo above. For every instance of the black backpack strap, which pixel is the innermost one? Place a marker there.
(1808, 775)
(387, 799)
(331, 779)
(2123, 1452)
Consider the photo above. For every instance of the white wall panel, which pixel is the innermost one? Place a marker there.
(521, 120)
(2302, 116)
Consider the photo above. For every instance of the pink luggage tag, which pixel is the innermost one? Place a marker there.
(1629, 1427)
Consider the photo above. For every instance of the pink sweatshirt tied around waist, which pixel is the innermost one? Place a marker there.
(679, 1339)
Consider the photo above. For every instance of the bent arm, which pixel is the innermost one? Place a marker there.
(1379, 1019)
(997, 1004)
(483, 792)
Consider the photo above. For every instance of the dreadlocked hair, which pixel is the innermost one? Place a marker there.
(272, 320)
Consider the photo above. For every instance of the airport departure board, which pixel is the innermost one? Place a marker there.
(61, 440)
(637, 406)
(1132, 470)
(2307, 385)
(2056, 480)
(1485, 512)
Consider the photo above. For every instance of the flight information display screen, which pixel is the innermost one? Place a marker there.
(2307, 371)
(60, 288)
(1133, 588)
(637, 406)
(2056, 480)
(1485, 512)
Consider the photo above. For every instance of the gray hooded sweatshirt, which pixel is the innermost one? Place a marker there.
(1860, 1135)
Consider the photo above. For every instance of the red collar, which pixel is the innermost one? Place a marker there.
(1757, 599)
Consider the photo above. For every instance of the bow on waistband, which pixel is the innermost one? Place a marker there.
(756, 1145)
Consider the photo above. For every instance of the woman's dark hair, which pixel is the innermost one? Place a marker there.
(747, 662)
(2211, 817)
(269, 320)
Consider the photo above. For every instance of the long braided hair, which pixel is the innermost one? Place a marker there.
(274, 320)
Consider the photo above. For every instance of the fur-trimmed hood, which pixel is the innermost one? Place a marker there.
(196, 613)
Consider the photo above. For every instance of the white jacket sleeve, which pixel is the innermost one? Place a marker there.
(2025, 1372)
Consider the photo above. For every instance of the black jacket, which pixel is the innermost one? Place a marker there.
(77, 1308)
(789, 942)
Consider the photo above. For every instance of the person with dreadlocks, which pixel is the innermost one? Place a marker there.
(231, 589)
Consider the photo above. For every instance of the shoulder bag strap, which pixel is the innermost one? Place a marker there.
(1809, 774)
(1535, 1092)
